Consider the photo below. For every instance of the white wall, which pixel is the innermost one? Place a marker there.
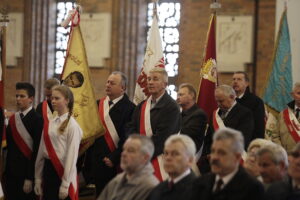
(293, 15)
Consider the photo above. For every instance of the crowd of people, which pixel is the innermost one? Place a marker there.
(160, 149)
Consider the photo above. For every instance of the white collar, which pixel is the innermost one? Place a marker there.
(61, 118)
(116, 100)
(179, 178)
(227, 178)
(295, 109)
(157, 99)
(234, 103)
(241, 96)
(25, 112)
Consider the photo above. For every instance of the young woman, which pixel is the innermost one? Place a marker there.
(55, 167)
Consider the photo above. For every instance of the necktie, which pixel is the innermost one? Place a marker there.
(110, 103)
(219, 185)
(170, 184)
(297, 113)
(21, 115)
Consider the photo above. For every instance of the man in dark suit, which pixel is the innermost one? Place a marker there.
(23, 134)
(288, 188)
(228, 179)
(161, 108)
(179, 155)
(194, 119)
(115, 111)
(240, 84)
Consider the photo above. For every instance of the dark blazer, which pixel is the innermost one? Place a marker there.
(179, 191)
(241, 187)
(282, 190)
(256, 105)
(39, 108)
(165, 121)
(193, 124)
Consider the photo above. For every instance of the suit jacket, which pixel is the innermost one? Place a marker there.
(16, 163)
(241, 187)
(179, 191)
(256, 105)
(282, 190)
(193, 124)
(120, 115)
(165, 120)
(39, 108)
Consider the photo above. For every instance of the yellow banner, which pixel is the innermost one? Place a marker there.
(76, 75)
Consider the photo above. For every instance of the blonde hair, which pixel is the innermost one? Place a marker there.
(67, 93)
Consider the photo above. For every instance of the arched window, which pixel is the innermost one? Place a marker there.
(169, 20)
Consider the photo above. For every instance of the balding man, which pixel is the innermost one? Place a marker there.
(231, 114)
(288, 126)
(228, 179)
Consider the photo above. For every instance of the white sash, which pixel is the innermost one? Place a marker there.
(23, 131)
(218, 119)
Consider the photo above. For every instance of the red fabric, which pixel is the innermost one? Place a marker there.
(18, 139)
(142, 119)
(157, 172)
(289, 125)
(215, 123)
(107, 136)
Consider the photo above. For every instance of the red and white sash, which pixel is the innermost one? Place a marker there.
(292, 124)
(111, 135)
(145, 129)
(73, 188)
(47, 113)
(20, 135)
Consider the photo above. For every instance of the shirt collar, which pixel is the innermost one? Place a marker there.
(116, 100)
(61, 118)
(25, 112)
(234, 103)
(179, 178)
(241, 96)
(227, 178)
(296, 107)
(157, 99)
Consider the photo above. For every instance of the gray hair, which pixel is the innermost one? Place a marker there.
(161, 71)
(147, 146)
(258, 143)
(123, 78)
(230, 134)
(277, 153)
(188, 143)
(296, 85)
(50, 83)
(227, 90)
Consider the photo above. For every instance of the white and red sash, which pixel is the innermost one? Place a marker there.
(145, 129)
(20, 135)
(47, 113)
(73, 188)
(111, 135)
(292, 124)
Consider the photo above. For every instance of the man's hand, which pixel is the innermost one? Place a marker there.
(63, 192)
(27, 187)
(108, 162)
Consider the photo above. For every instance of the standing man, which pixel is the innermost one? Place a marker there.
(45, 108)
(232, 114)
(178, 157)
(194, 119)
(240, 84)
(115, 111)
(288, 126)
(23, 134)
(228, 179)
(157, 117)
(137, 179)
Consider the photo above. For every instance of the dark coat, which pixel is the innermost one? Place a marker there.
(193, 124)
(179, 191)
(240, 187)
(39, 108)
(282, 190)
(256, 105)
(165, 121)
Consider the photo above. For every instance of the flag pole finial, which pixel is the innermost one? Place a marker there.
(285, 4)
(155, 8)
(215, 5)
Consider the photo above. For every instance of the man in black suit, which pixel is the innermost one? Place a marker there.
(115, 111)
(23, 134)
(288, 188)
(162, 110)
(228, 179)
(194, 119)
(178, 157)
(240, 84)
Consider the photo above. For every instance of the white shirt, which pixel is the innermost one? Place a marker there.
(66, 146)
(153, 103)
(116, 100)
(225, 179)
(25, 112)
(179, 178)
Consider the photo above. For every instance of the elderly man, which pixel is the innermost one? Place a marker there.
(240, 84)
(194, 119)
(288, 188)
(228, 180)
(115, 111)
(232, 114)
(137, 179)
(287, 131)
(273, 162)
(157, 117)
(178, 157)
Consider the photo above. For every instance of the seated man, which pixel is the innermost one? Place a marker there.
(288, 188)
(137, 179)
(178, 157)
(228, 180)
(273, 162)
